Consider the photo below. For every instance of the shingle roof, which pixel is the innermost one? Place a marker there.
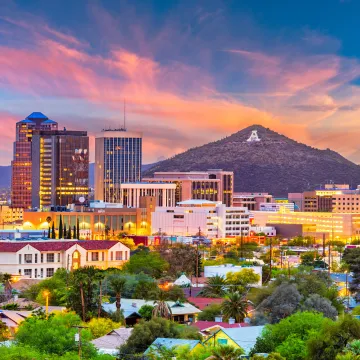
(110, 342)
(202, 302)
(170, 343)
(203, 325)
(57, 245)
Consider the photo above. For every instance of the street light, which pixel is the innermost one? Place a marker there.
(46, 294)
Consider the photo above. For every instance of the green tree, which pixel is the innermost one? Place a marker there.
(60, 228)
(49, 233)
(352, 258)
(333, 337)
(240, 280)
(55, 335)
(317, 303)
(129, 242)
(74, 232)
(53, 235)
(210, 312)
(161, 308)
(146, 312)
(215, 287)
(290, 335)
(117, 283)
(64, 232)
(146, 262)
(235, 306)
(226, 352)
(77, 228)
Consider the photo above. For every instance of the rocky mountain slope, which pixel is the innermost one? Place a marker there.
(275, 164)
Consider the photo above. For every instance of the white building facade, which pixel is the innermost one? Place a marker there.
(41, 259)
(164, 193)
(214, 220)
(277, 206)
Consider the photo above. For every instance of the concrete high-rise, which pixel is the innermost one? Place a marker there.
(60, 168)
(118, 158)
(21, 181)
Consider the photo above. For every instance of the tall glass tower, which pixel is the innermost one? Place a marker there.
(118, 158)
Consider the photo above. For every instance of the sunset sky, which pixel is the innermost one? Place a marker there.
(191, 71)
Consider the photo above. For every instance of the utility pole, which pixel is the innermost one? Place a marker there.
(78, 338)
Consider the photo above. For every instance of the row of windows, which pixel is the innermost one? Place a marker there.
(95, 256)
(29, 272)
(33, 258)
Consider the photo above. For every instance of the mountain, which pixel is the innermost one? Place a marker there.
(275, 164)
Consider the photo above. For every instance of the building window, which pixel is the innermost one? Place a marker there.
(49, 272)
(111, 256)
(50, 258)
(41, 258)
(19, 271)
(19, 258)
(95, 256)
(126, 255)
(27, 272)
(36, 273)
(118, 255)
(28, 258)
(36, 258)
(58, 257)
(42, 273)
(103, 256)
(222, 341)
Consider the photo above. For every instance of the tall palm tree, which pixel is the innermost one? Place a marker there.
(161, 308)
(225, 352)
(117, 284)
(235, 306)
(215, 287)
(6, 280)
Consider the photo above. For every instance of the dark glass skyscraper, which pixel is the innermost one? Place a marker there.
(21, 181)
(118, 158)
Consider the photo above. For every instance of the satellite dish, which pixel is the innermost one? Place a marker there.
(82, 199)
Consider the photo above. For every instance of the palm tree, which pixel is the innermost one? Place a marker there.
(225, 352)
(6, 280)
(161, 309)
(215, 287)
(117, 284)
(235, 306)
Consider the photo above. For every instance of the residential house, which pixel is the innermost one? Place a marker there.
(110, 343)
(210, 327)
(202, 303)
(180, 312)
(240, 337)
(169, 343)
(40, 259)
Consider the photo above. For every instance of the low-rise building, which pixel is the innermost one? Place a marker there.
(169, 344)
(41, 259)
(110, 343)
(250, 200)
(276, 206)
(212, 219)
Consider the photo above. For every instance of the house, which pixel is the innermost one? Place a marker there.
(202, 303)
(181, 312)
(109, 343)
(240, 337)
(169, 343)
(40, 259)
(210, 327)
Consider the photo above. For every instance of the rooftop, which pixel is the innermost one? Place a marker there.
(37, 115)
(170, 343)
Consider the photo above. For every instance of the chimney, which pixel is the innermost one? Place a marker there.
(218, 318)
(133, 304)
(231, 321)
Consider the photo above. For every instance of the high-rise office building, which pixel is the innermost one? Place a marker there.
(22, 162)
(60, 168)
(118, 158)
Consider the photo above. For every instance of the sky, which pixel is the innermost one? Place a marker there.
(191, 71)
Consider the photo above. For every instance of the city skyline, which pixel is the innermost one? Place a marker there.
(189, 74)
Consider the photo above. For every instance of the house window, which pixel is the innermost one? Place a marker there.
(28, 258)
(103, 256)
(19, 271)
(95, 256)
(19, 258)
(111, 256)
(27, 272)
(36, 273)
(41, 258)
(36, 258)
(126, 255)
(42, 273)
(50, 258)
(49, 272)
(222, 341)
(58, 257)
(87, 256)
(118, 255)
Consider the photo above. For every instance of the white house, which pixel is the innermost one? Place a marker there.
(40, 259)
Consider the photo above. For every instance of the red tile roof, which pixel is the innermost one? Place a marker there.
(57, 245)
(203, 325)
(201, 302)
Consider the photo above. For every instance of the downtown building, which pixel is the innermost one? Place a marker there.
(118, 159)
(21, 166)
(213, 185)
(60, 168)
